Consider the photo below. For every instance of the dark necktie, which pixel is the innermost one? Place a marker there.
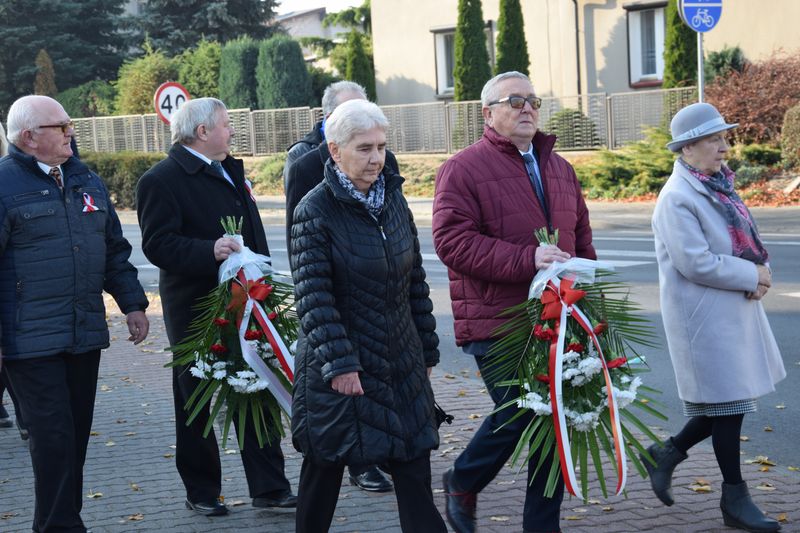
(55, 173)
(537, 183)
(216, 165)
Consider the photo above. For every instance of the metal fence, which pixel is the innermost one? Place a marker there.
(582, 122)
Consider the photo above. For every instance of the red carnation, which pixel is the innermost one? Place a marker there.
(218, 349)
(544, 333)
(614, 363)
(273, 315)
(252, 335)
(600, 327)
(544, 378)
(575, 347)
(221, 322)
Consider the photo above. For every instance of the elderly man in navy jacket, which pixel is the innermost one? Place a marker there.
(61, 246)
(180, 203)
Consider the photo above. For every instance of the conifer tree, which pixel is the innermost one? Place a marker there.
(359, 64)
(680, 50)
(471, 69)
(281, 74)
(45, 81)
(237, 73)
(512, 49)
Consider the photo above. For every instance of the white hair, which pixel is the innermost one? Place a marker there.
(351, 118)
(489, 92)
(3, 141)
(330, 98)
(24, 115)
(191, 114)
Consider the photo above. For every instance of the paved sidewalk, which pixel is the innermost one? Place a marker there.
(131, 483)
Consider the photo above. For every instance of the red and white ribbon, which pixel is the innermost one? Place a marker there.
(88, 204)
(556, 363)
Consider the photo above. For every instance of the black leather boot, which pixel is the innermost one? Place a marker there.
(667, 457)
(738, 510)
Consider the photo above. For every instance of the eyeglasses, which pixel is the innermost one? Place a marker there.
(64, 126)
(518, 102)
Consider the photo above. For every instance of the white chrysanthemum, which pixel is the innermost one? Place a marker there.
(219, 374)
(255, 386)
(245, 374)
(196, 372)
(219, 365)
(239, 385)
(582, 421)
(536, 403)
(625, 397)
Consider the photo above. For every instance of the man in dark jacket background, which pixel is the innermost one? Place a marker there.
(490, 199)
(61, 246)
(180, 203)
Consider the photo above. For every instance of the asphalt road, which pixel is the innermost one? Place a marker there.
(622, 236)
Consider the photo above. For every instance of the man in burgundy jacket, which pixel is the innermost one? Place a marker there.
(490, 199)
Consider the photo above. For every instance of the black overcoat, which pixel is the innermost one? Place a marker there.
(364, 306)
(180, 202)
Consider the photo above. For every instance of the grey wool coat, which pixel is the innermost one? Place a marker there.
(721, 344)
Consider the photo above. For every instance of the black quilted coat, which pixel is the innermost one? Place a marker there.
(364, 306)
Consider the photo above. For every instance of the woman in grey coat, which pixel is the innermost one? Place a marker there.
(713, 272)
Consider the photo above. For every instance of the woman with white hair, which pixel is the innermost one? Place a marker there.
(713, 272)
(367, 343)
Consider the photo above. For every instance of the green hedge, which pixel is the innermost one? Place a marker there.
(121, 171)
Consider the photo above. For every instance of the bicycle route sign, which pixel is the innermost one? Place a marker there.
(168, 98)
(700, 15)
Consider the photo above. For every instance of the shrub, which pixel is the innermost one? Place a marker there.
(138, 80)
(471, 70)
(573, 129)
(320, 79)
(267, 175)
(199, 69)
(121, 171)
(758, 97)
(91, 99)
(45, 80)
(790, 137)
(638, 168)
(680, 50)
(237, 74)
(759, 154)
(512, 49)
(747, 174)
(281, 74)
(721, 63)
(359, 66)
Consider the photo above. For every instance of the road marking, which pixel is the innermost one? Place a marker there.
(626, 253)
(792, 294)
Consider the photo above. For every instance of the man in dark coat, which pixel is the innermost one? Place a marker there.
(490, 199)
(180, 203)
(61, 246)
(302, 173)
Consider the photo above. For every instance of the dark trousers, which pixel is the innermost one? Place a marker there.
(197, 458)
(319, 487)
(491, 447)
(5, 384)
(56, 395)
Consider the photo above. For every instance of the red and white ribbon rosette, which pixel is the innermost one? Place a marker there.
(554, 286)
(247, 269)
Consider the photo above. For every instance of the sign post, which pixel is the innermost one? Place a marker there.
(168, 98)
(701, 16)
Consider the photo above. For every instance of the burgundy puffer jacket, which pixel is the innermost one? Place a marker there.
(485, 213)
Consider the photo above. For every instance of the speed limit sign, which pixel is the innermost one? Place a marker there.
(169, 97)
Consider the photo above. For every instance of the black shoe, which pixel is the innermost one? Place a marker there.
(212, 508)
(459, 506)
(372, 480)
(739, 511)
(667, 457)
(285, 500)
(5, 420)
(23, 432)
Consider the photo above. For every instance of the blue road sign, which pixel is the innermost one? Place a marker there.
(700, 15)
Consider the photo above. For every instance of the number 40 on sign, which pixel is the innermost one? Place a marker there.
(168, 99)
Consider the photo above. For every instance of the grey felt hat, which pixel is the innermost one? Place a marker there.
(694, 122)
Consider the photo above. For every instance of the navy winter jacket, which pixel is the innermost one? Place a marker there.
(57, 256)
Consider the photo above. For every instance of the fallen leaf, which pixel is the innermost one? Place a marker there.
(341, 519)
(461, 393)
(446, 451)
(579, 510)
(764, 469)
(780, 406)
(768, 487)
(135, 517)
(782, 518)
(499, 518)
(130, 433)
(473, 416)
(6, 516)
(95, 433)
(744, 438)
(760, 460)
(702, 481)
(231, 452)
(134, 487)
(449, 376)
(93, 495)
(767, 428)
(608, 509)
(700, 488)
(509, 482)
(573, 517)
(237, 503)
(105, 388)
(794, 469)
(593, 502)
(169, 455)
(111, 443)
(121, 420)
